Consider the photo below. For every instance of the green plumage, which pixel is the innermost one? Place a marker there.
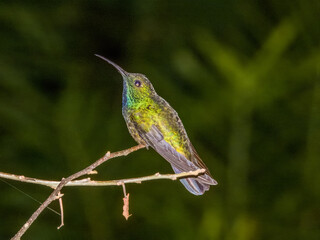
(152, 122)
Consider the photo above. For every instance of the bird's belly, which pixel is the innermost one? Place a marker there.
(134, 133)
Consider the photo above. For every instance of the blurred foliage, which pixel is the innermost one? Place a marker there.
(243, 75)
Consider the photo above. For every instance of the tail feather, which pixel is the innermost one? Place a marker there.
(196, 186)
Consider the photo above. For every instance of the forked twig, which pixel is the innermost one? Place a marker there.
(53, 196)
(70, 181)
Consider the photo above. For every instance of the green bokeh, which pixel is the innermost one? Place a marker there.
(244, 77)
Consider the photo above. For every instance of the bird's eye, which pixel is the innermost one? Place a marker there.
(137, 83)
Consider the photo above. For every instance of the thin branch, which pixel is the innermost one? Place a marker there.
(88, 182)
(70, 181)
(64, 181)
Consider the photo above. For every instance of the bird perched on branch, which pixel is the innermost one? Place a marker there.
(152, 122)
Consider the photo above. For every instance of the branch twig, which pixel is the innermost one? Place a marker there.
(61, 211)
(70, 181)
(125, 208)
(64, 181)
(88, 182)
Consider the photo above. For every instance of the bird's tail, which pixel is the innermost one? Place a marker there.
(196, 186)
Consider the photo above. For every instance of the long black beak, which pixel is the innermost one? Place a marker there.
(121, 71)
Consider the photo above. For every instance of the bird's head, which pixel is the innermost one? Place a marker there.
(136, 86)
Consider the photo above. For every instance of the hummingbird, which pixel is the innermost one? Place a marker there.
(152, 122)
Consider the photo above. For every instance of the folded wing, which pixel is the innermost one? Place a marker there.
(179, 162)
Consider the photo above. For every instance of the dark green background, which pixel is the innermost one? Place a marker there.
(244, 77)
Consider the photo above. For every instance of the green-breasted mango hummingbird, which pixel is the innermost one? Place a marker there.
(152, 122)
